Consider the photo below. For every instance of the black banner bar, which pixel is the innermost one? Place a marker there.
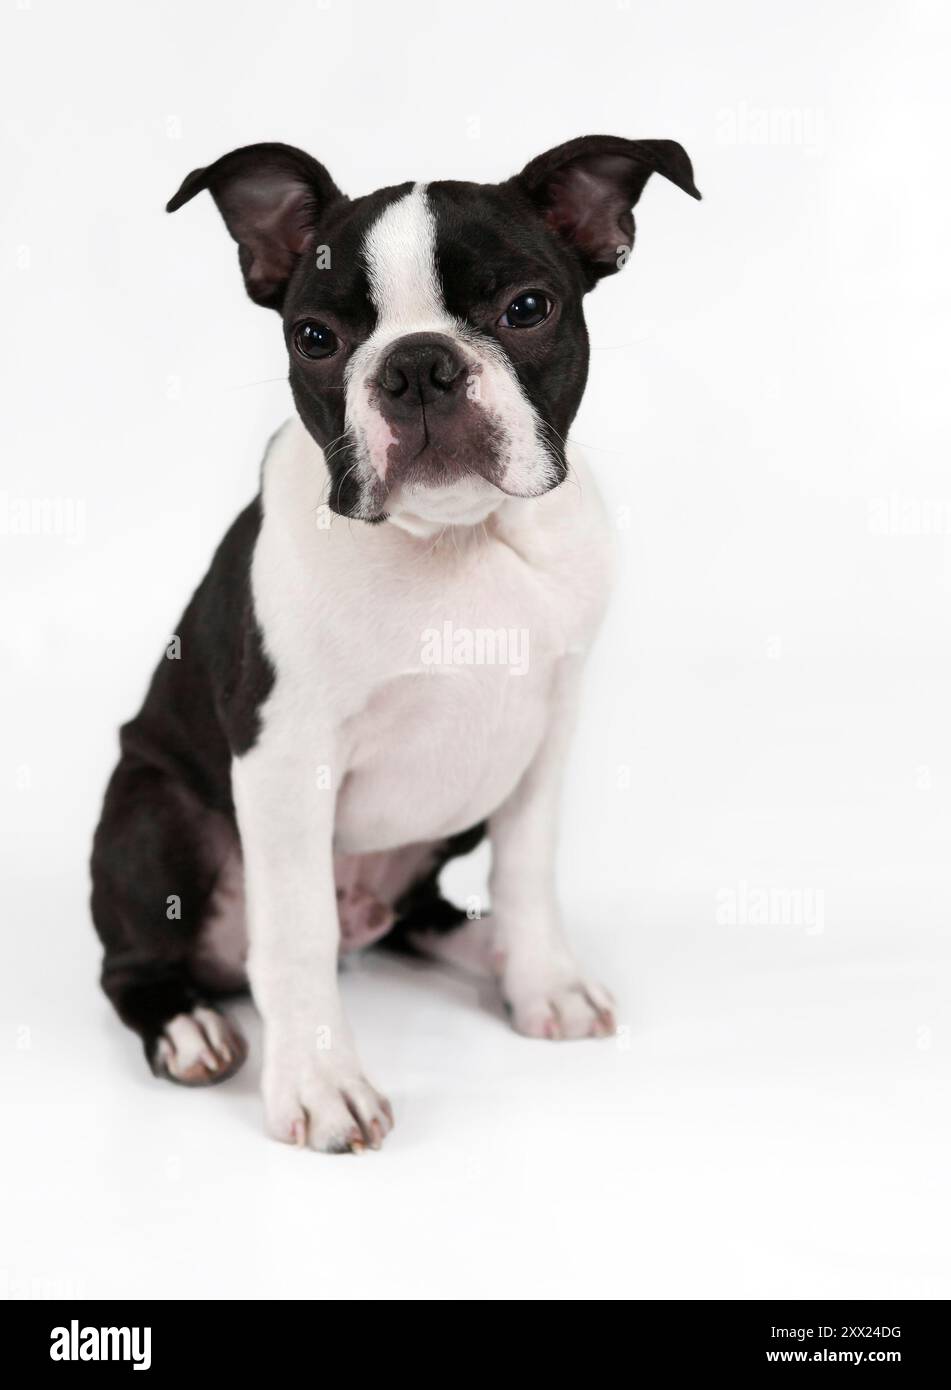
(165, 1339)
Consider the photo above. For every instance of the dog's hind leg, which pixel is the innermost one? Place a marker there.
(468, 945)
(156, 858)
(427, 924)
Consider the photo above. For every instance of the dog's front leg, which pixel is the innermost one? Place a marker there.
(314, 1089)
(542, 982)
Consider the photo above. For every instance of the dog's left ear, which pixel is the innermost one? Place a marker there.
(586, 189)
(270, 197)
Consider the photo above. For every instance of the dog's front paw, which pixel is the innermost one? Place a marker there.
(559, 1007)
(316, 1101)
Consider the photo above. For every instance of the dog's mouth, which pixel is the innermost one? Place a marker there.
(439, 448)
(439, 466)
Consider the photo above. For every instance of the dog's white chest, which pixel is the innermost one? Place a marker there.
(454, 686)
(416, 678)
(435, 752)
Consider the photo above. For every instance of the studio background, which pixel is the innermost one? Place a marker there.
(766, 718)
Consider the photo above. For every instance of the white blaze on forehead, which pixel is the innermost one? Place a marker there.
(399, 251)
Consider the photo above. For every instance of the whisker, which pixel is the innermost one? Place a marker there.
(265, 381)
(435, 543)
(592, 448)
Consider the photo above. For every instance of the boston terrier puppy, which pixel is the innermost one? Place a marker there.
(382, 663)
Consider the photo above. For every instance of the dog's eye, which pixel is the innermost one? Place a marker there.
(526, 310)
(313, 340)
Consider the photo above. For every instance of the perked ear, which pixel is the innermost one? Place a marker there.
(586, 189)
(270, 197)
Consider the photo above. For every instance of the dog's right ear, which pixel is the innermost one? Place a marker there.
(587, 189)
(271, 197)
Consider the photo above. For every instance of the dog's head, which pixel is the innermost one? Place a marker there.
(438, 350)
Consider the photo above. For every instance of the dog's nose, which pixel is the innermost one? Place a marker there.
(421, 369)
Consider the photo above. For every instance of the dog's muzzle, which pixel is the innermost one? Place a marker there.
(437, 430)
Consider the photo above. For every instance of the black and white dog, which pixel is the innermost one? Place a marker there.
(343, 711)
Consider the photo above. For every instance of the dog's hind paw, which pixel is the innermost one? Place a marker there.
(199, 1048)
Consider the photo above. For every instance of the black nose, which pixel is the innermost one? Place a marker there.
(420, 369)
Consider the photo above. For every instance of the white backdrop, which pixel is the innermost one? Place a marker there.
(758, 828)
